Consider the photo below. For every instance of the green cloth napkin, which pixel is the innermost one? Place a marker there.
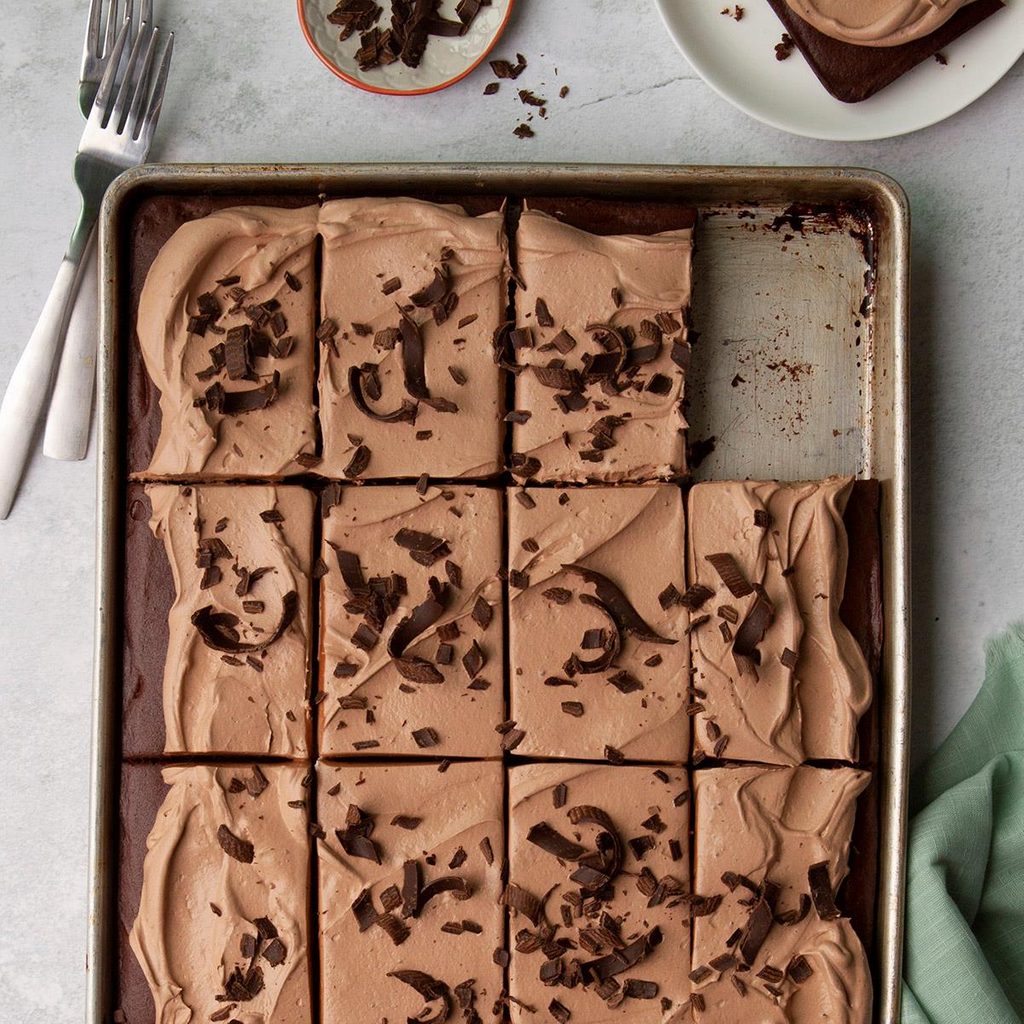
(965, 864)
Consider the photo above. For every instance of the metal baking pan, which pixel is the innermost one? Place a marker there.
(780, 303)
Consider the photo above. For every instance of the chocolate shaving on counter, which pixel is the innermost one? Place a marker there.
(551, 841)
(238, 849)
(217, 629)
(821, 891)
(752, 629)
(506, 69)
(626, 616)
(405, 413)
(432, 991)
(729, 572)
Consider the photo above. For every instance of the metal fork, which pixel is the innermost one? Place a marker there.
(67, 424)
(117, 136)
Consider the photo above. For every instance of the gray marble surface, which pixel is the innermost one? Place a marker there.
(245, 87)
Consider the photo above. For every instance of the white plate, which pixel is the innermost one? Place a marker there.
(445, 61)
(737, 59)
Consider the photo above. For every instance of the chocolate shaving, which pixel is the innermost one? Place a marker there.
(612, 643)
(412, 359)
(394, 928)
(756, 931)
(729, 572)
(625, 615)
(799, 969)
(238, 849)
(418, 670)
(426, 737)
(459, 887)
(405, 413)
(551, 841)
(422, 617)
(821, 891)
(752, 629)
(432, 991)
(364, 911)
(412, 882)
(358, 463)
(217, 629)
(524, 902)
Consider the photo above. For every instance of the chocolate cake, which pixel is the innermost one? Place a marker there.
(770, 852)
(218, 919)
(501, 826)
(217, 620)
(853, 71)
(780, 678)
(601, 351)
(599, 892)
(412, 297)
(412, 622)
(598, 652)
(410, 865)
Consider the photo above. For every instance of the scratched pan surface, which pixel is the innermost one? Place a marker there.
(800, 370)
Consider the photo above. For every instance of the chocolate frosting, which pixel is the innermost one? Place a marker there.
(803, 692)
(877, 22)
(368, 244)
(629, 796)
(189, 950)
(454, 810)
(216, 701)
(265, 248)
(371, 700)
(773, 824)
(634, 537)
(618, 280)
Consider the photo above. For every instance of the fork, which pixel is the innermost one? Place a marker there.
(117, 135)
(67, 424)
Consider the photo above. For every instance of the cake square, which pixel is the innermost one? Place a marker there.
(771, 849)
(599, 866)
(217, 620)
(852, 71)
(598, 653)
(225, 326)
(412, 622)
(601, 345)
(779, 677)
(410, 865)
(221, 909)
(412, 296)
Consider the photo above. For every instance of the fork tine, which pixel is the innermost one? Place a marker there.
(130, 79)
(102, 102)
(110, 29)
(146, 13)
(142, 85)
(153, 110)
(92, 30)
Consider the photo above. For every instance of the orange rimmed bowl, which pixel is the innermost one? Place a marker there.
(446, 60)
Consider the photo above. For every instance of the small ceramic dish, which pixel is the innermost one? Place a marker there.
(446, 60)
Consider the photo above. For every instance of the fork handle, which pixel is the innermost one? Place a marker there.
(67, 423)
(29, 385)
